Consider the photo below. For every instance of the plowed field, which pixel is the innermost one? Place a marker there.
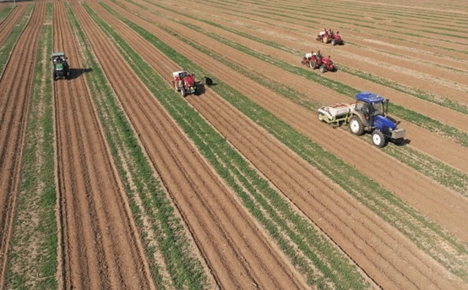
(240, 186)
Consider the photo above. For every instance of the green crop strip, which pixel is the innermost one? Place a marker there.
(378, 80)
(423, 163)
(5, 12)
(426, 234)
(261, 200)
(185, 270)
(294, 20)
(416, 118)
(303, 13)
(33, 257)
(10, 42)
(439, 100)
(325, 11)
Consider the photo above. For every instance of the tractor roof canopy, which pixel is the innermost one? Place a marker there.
(58, 54)
(369, 97)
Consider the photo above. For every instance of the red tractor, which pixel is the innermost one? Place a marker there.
(316, 60)
(330, 37)
(185, 83)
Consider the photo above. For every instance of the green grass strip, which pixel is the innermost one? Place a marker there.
(434, 126)
(349, 18)
(33, 258)
(442, 101)
(307, 23)
(439, 100)
(426, 234)
(10, 42)
(5, 12)
(423, 163)
(252, 189)
(185, 269)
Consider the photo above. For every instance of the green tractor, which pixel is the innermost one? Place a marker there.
(60, 68)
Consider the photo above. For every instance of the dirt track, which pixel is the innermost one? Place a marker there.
(99, 243)
(269, 156)
(14, 106)
(392, 174)
(223, 230)
(434, 145)
(9, 23)
(101, 246)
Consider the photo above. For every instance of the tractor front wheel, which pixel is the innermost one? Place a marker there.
(320, 116)
(355, 126)
(333, 42)
(322, 68)
(325, 39)
(378, 138)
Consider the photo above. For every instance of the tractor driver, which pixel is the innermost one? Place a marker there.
(319, 57)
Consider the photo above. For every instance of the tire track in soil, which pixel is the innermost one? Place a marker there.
(101, 247)
(433, 200)
(234, 247)
(351, 58)
(413, 49)
(329, 206)
(434, 111)
(355, 61)
(15, 96)
(387, 29)
(9, 23)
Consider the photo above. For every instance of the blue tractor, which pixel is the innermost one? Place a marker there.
(370, 114)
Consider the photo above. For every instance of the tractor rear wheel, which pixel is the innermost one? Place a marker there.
(378, 138)
(312, 64)
(182, 91)
(355, 126)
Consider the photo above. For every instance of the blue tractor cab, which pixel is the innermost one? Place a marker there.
(371, 115)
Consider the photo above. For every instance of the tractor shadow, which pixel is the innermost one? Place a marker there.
(77, 72)
(402, 142)
(203, 84)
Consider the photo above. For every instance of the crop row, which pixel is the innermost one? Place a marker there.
(352, 17)
(446, 175)
(315, 252)
(10, 42)
(426, 234)
(33, 255)
(5, 11)
(416, 118)
(149, 202)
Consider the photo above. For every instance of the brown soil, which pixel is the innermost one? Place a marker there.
(101, 246)
(223, 230)
(327, 205)
(405, 182)
(14, 107)
(9, 23)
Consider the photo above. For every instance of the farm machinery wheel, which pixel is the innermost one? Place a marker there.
(355, 126)
(325, 39)
(333, 42)
(312, 64)
(322, 68)
(378, 138)
(182, 92)
(320, 117)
